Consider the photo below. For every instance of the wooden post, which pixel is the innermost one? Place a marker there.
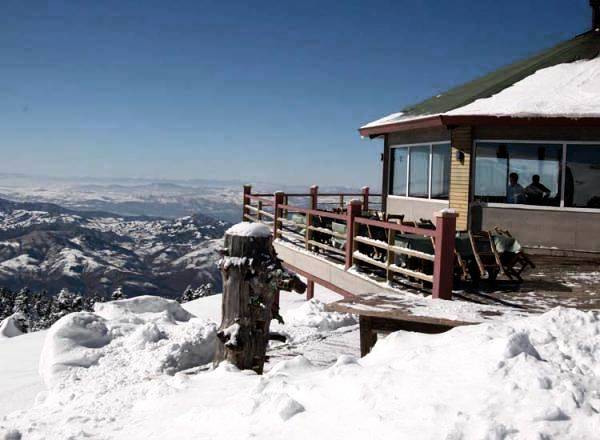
(277, 213)
(354, 208)
(368, 336)
(314, 197)
(246, 201)
(365, 196)
(313, 204)
(390, 254)
(252, 276)
(443, 264)
(341, 201)
(258, 214)
(310, 289)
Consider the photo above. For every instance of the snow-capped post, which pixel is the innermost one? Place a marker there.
(354, 210)
(246, 201)
(252, 276)
(314, 197)
(443, 263)
(365, 197)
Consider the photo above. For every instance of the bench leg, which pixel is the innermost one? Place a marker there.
(368, 337)
(310, 290)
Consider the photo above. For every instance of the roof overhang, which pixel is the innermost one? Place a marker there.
(450, 121)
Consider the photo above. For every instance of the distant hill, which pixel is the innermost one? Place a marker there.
(47, 246)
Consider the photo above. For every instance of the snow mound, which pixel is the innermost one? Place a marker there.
(132, 337)
(313, 314)
(247, 229)
(73, 341)
(125, 308)
(11, 326)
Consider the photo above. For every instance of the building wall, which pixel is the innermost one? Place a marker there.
(460, 175)
(565, 230)
(415, 209)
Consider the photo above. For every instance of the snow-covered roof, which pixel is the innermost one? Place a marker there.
(566, 90)
(569, 90)
(563, 81)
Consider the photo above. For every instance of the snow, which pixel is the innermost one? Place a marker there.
(565, 90)
(9, 327)
(529, 378)
(20, 382)
(569, 89)
(248, 229)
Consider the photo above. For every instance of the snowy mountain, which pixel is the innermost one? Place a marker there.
(47, 247)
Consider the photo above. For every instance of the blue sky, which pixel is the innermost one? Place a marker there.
(265, 90)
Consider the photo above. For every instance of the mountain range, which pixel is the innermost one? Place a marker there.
(45, 246)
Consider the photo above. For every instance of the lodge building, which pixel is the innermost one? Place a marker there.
(517, 149)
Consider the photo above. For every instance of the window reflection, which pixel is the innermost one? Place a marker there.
(582, 183)
(418, 179)
(400, 168)
(518, 173)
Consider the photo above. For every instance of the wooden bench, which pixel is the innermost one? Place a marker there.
(388, 314)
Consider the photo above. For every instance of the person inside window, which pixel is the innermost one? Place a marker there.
(536, 191)
(515, 193)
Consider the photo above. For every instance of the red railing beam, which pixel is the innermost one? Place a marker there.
(443, 264)
(246, 200)
(354, 211)
(365, 197)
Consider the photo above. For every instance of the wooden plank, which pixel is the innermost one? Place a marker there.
(411, 273)
(326, 247)
(327, 231)
(396, 309)
(359, 256)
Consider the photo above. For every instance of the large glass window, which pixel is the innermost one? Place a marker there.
(582, 182)
(411, 171)
(418, 179)
(520, 173)
(440, 171)
(400, 170)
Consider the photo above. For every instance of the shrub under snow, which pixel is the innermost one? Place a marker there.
(129, 337)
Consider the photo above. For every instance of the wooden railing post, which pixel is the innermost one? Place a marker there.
(354, 210)
(277, 213)
(314, 197)
(246, 201)
(365, 196)
(443, 264)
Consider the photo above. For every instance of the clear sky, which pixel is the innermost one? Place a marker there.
(255, 90)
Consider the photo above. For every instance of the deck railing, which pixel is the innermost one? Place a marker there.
(349, 236)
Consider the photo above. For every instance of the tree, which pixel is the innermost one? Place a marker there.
(200, 292)
(118, 294)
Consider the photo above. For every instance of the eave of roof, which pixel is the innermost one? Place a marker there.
(449, 121)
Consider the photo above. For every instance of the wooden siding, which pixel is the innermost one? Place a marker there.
(460, 175)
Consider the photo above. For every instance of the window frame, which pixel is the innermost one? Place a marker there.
(564, 144)
(430, 164)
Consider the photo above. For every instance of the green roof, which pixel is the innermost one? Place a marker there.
(583, 47)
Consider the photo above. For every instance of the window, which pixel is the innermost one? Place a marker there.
(440, 171)
(521, 173)
(421, 171)
(582, 182)
(418, 179)
(400, 166)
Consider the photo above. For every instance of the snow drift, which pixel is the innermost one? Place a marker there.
(138, 333)
(533, 378)
(12, 326)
